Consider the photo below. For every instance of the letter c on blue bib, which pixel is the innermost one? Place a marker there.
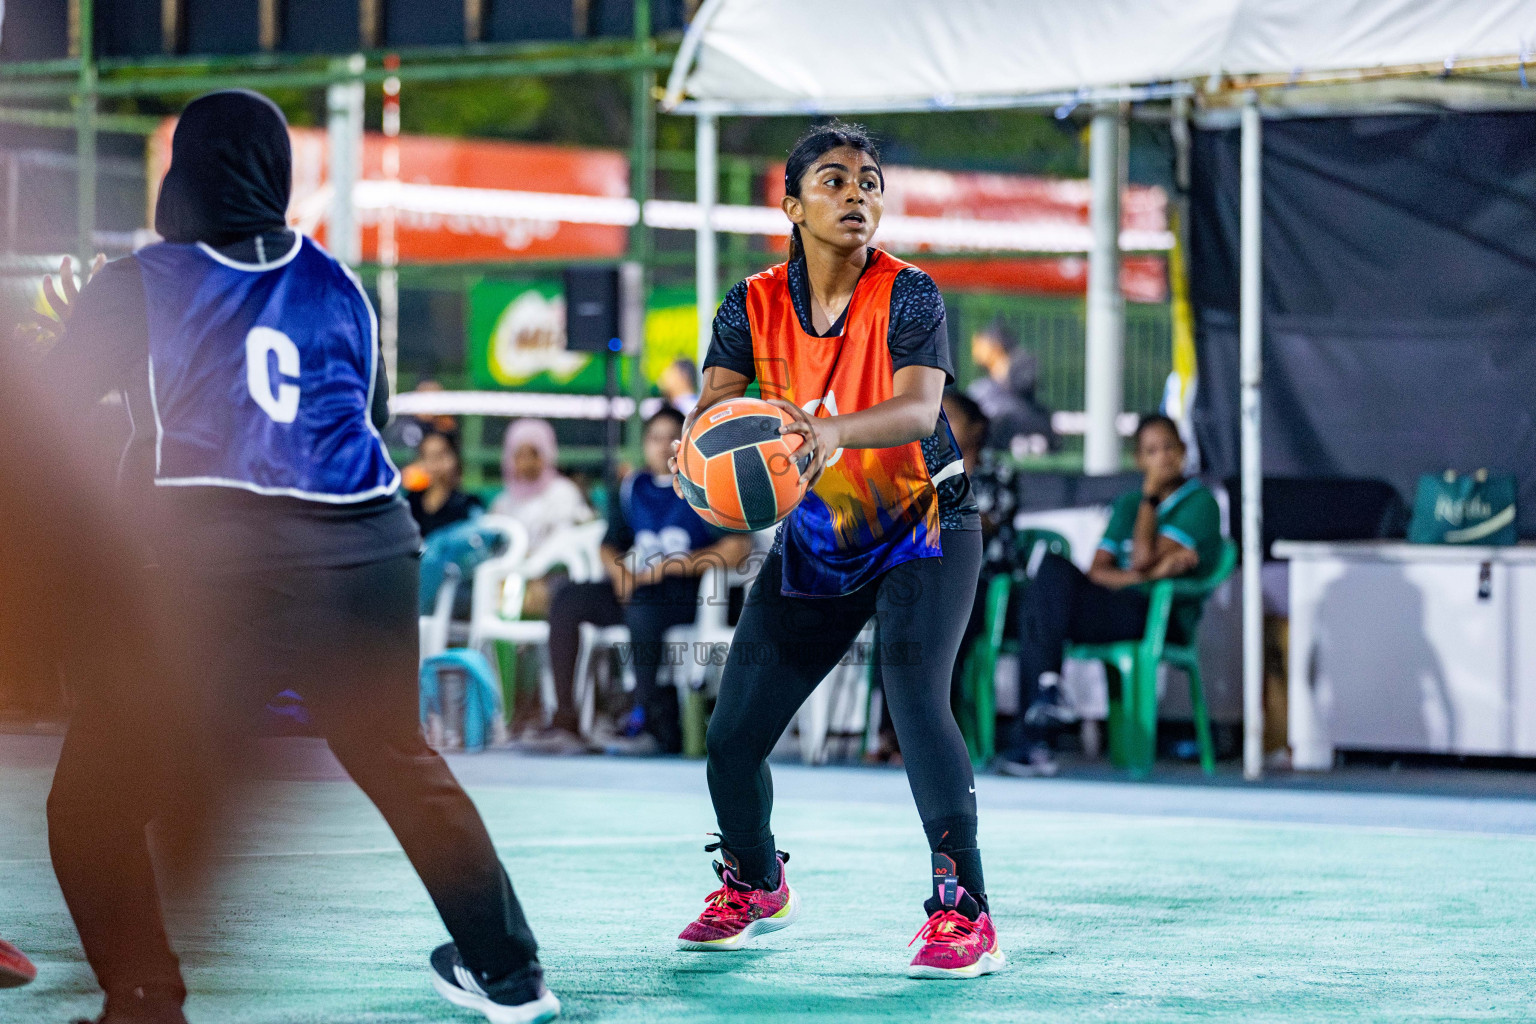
(282, 406)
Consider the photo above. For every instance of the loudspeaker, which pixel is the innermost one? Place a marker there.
(321, 26)
(128, 28)
(424, 22)
(35, 30)
(512, 21)
(223, 26)
(592, 311)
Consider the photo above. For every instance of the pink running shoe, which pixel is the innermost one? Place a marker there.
(958, 939)
(15, 968)
(734, 913)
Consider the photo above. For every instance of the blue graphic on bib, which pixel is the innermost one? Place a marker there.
(262, 375)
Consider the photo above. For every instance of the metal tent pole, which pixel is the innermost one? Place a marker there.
(642, 157)
(389, 245)
(1105, 357)
(706, 160)
(1251, 341)
(85, 138)
(344, 128)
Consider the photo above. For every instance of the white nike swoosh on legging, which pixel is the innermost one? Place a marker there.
(973, 789)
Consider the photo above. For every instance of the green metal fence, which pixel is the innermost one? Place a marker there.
(1054, 330)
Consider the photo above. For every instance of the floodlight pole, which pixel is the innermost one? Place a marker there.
(1251, 340)
(707, 274)
(1105, 354)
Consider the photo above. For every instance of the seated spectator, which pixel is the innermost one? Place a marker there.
(679, 385)
(437, 501)
(534, 492)
(539, 497)
(1170, 527)
(1017, 423)
(655, 550)
(408, 431)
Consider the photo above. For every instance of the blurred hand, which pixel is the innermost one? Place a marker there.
(61, 298)
(1157, 483)
(626, 582)
(677, 486)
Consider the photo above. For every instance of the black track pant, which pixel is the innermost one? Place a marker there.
(652, 611)
(785, 646)
(346, 640)
(1063, 605)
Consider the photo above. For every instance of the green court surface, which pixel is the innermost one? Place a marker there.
(1115, 902)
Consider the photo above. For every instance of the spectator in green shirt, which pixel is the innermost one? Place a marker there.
(1170, 527)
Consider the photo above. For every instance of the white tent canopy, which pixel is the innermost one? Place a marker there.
(852, 56)
(766, 57)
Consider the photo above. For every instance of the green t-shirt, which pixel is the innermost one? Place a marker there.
(1191, 517)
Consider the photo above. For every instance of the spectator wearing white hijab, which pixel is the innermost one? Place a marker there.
(534, 492)
(537, 495)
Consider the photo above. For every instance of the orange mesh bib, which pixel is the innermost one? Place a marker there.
(873, 508)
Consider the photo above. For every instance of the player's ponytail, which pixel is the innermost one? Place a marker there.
(820, 140)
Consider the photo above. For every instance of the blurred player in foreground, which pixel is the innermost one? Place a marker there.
(249, 359)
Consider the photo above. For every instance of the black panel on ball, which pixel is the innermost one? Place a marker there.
(223, 26)
(424, 23)
(321, 26)
(511, 21)
(591, 308)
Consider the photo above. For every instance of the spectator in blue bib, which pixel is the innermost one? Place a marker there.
(655, 550)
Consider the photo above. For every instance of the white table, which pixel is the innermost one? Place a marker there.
(1409, 647)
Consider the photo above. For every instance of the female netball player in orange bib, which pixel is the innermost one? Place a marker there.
(851, 342)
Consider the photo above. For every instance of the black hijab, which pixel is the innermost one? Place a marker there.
(231, 171)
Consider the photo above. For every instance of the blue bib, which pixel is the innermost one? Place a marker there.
(261, 375)
(664, 524)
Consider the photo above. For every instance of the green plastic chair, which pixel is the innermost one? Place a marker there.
(1133, 663)
(977, 713)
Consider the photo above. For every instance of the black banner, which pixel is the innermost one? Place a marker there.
(1399, 297)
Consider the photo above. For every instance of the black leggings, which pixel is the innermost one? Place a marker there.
(649, 614)
(1063, 605)
(346, 640)
(785, 646)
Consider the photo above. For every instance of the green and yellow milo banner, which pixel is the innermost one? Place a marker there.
(517, 338)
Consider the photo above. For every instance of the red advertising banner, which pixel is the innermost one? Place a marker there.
(919, 192)
(462, 163)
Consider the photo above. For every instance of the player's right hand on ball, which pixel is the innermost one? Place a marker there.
(677, 485)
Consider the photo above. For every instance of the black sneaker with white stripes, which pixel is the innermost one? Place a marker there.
(520, 999)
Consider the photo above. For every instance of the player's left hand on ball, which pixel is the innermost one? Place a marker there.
(819, 432)
(677, 485)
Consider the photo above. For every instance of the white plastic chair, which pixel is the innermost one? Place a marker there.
(437, 628)
(840, 702)
(711, 626)
(500, 583)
